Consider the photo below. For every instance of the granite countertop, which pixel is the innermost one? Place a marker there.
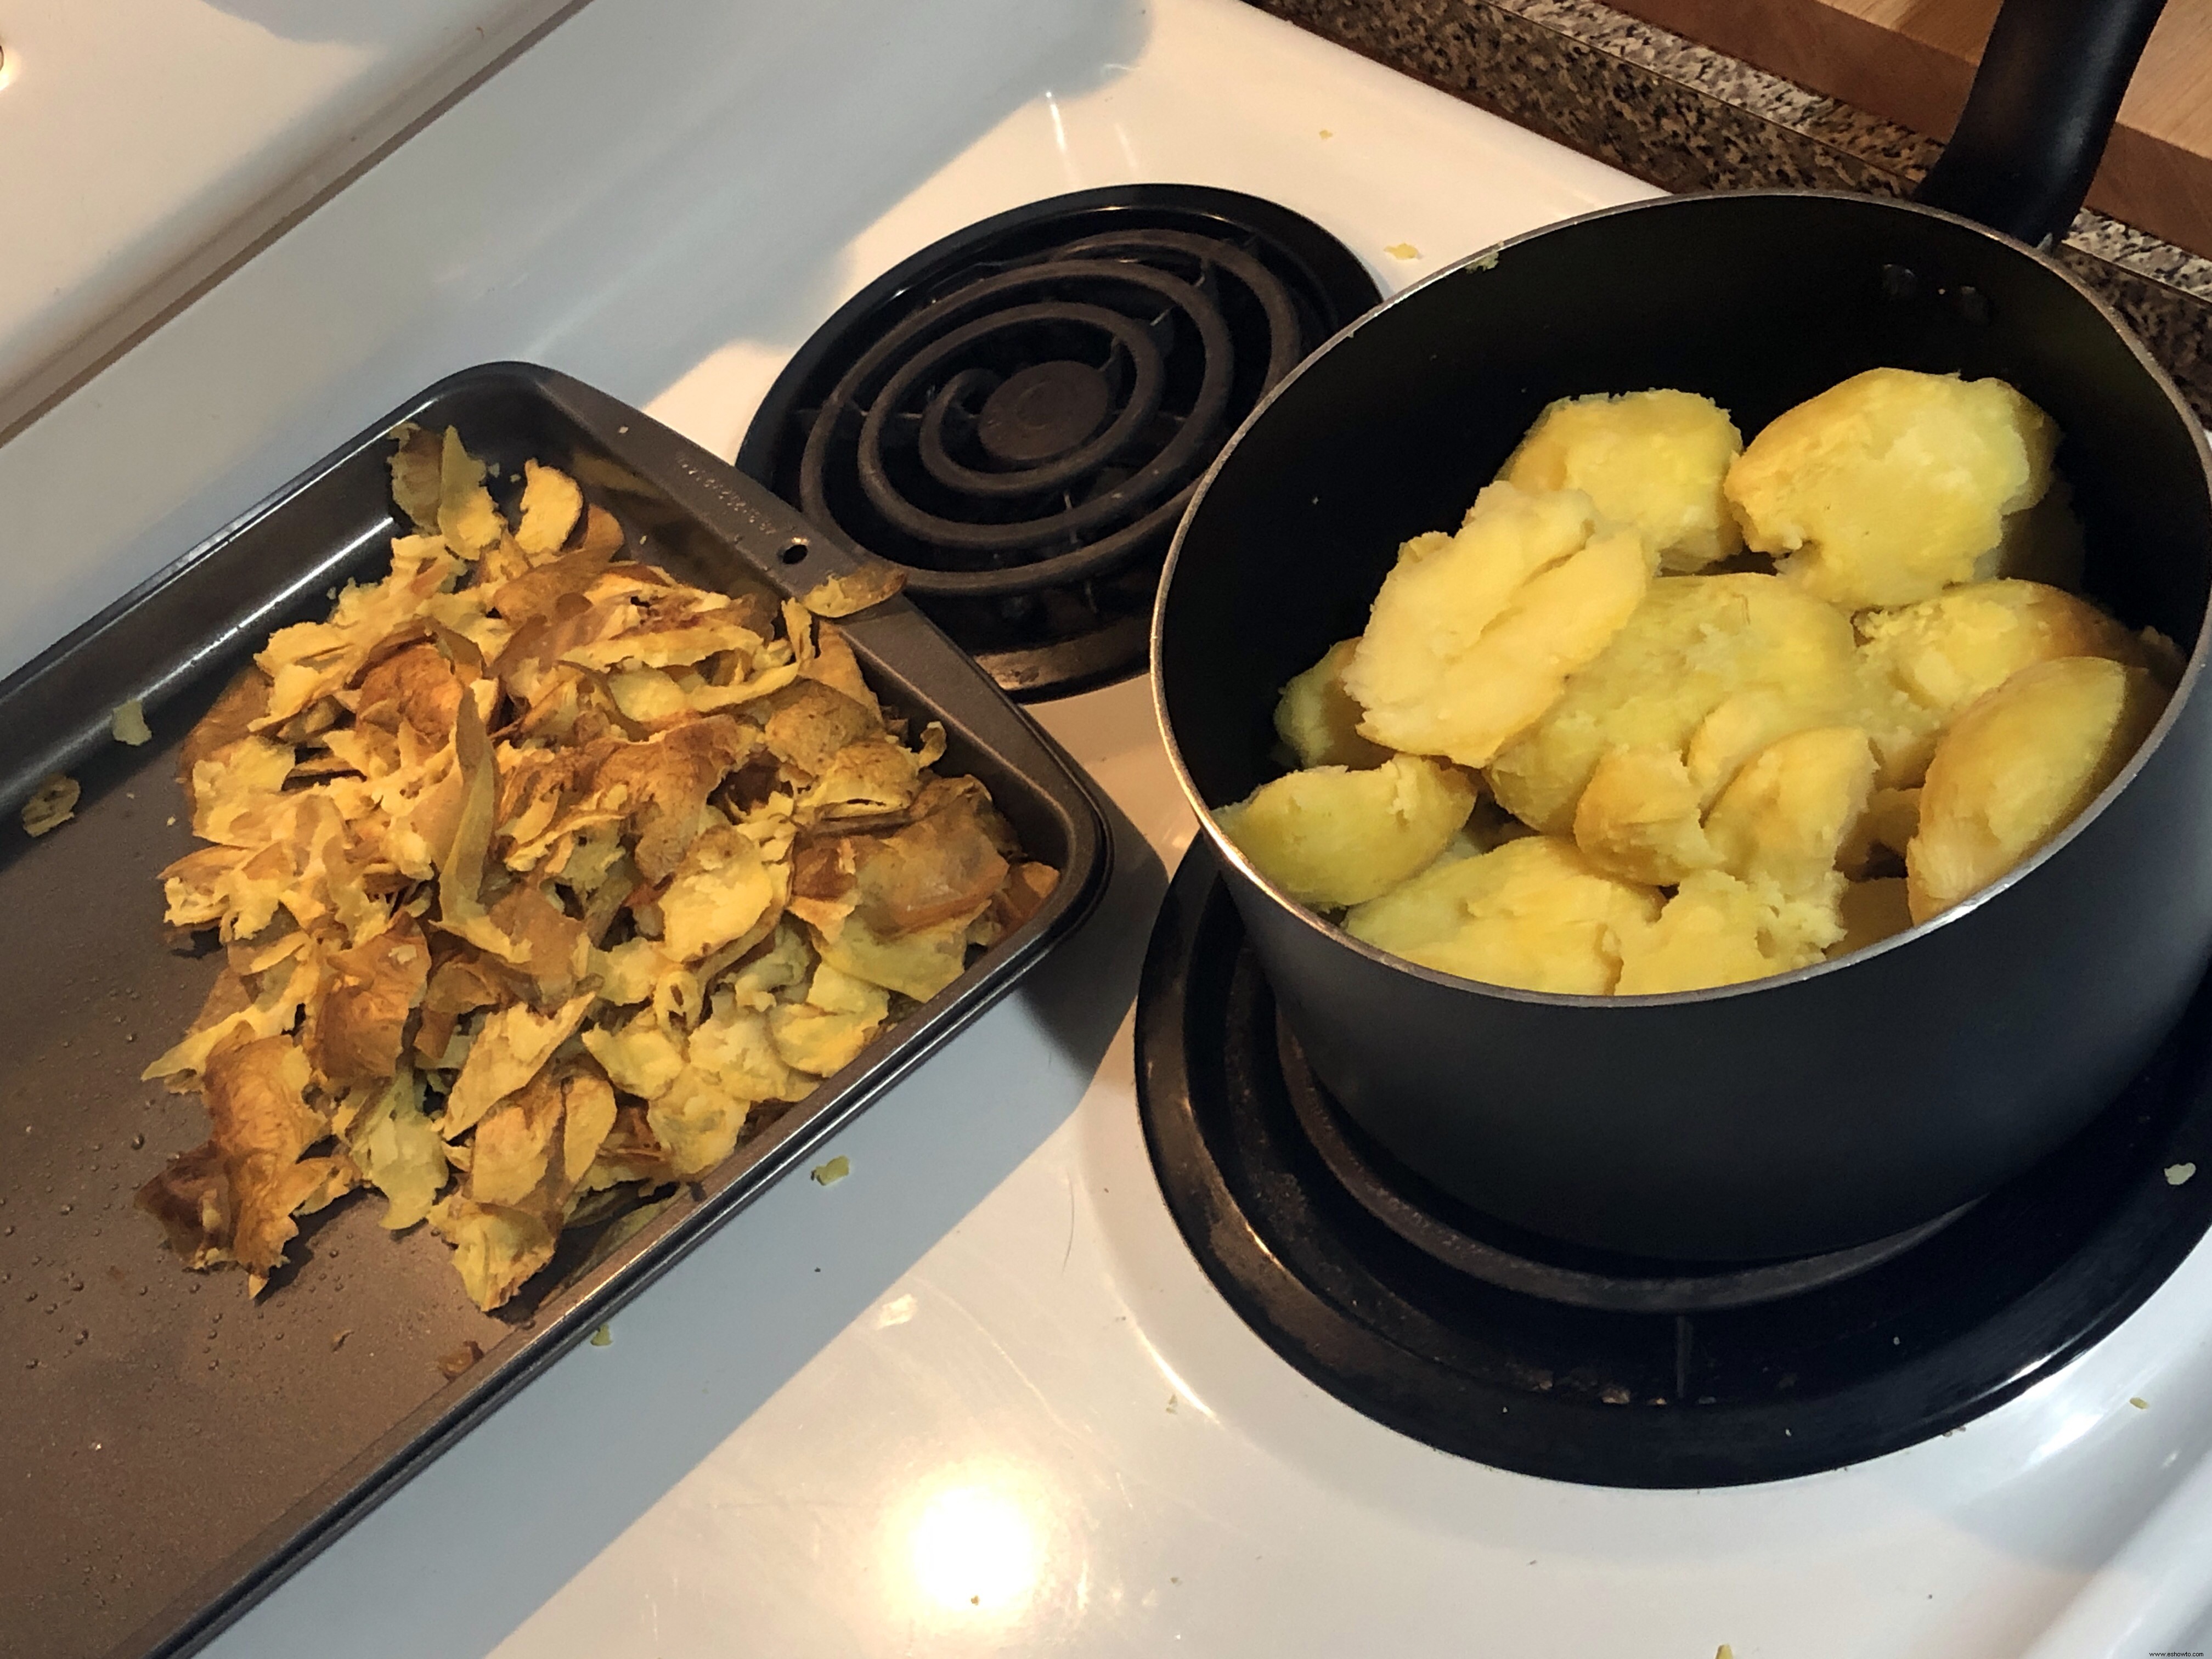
(1685, 117)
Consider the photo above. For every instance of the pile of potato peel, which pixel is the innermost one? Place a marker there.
(1670, 712)
(541, 876)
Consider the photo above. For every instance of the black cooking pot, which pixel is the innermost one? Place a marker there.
(1842, 1102)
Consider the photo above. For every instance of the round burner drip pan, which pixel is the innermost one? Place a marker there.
(1556, 1362)
(1435, 1222)
(1018, 414)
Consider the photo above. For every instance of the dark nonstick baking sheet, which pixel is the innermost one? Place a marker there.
(169, 1451)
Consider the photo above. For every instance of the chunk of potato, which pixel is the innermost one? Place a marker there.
(1718, 930)
(1318, 720)
(2016, 767)
(1331, 836)
(1473, 636)
(1872, 911)
(1654, 460)
(1892, 818)
(1534, 913)
(1641, 818)
(1892, 485)
(1928, 661)
(1786, 815)
(1748, 652)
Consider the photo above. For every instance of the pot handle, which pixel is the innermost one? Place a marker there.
(2042, 105)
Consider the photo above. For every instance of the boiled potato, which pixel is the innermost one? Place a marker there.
(1892, 818)
(1317, 718)
(1717, 930)
(1752, 652)
(1642, 819)
(2016, 768)
(1331, 836)
(1872, 911)
(1534, 913)
(1654, 460)
(1473, 635)
(1928, 661)
(1891, 486)
(1786, 814)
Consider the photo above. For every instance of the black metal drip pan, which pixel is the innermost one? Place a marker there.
(172, 1450)
(1018, 414)
(1551, 1362)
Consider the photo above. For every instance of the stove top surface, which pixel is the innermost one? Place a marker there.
(1555, 1361)
(1017, 416)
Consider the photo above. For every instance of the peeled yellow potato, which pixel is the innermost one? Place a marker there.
(1654, 460)
(1872, 911)
(1892, 485)
(1892, 818)
(1697, 647)
(1534, 913)
(1331, 836)
(1928, 661)
(1642, 819)
(1717, 930)
(1317, 718)
(1473, 635)
(2016, 767)
(1786, 815)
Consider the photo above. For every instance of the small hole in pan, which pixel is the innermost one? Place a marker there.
(794, 553)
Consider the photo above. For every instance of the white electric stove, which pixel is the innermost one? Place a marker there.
(978, 1396)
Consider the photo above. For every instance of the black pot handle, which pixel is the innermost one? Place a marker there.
(2043, 105)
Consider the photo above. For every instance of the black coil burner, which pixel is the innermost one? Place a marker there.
(1018, 414)
(1541, 1358)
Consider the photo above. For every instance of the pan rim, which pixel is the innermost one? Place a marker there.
(1486, 258)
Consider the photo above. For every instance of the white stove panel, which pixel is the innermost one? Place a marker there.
(978, 1396)
(143, 150)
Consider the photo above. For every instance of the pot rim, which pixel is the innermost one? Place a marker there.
(1487, 258)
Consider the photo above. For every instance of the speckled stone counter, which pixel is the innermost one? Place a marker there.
(1685, 117)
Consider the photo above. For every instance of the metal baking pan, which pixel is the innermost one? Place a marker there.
(169, 1452)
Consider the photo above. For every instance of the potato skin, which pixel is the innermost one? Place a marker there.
(1472, 637)
(1654, 459)
(1698, 648)
(1927, 662)
(2018, 766)
(1331, 836)
(1886, 488)
(1316, 718)
(1534, 913)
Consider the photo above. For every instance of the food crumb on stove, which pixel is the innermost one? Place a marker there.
(2177, 1173)
(52, 804)
(1402, 251)
(1325, 133)
(2139, 1402)
(337, 1339)
(604, 1337)
(1725, 1652)
(127, 723)
(452, 1364)
(830, 1174)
